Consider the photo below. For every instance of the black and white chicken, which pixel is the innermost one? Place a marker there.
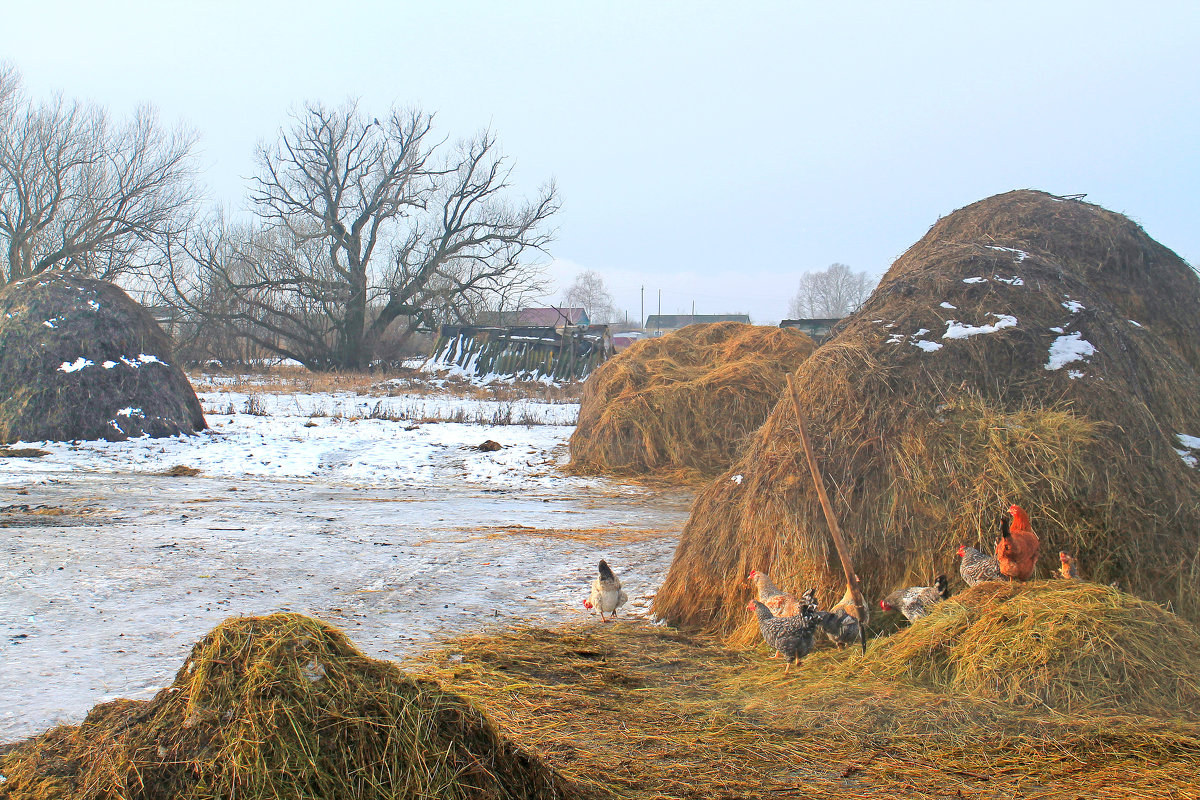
(791, 636)
(917, 601)
(978, 567)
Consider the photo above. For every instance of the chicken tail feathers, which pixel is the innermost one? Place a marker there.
(606, 573)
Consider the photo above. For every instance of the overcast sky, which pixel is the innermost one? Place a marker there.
(714, 151)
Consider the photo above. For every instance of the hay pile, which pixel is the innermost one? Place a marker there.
(683, 402)
(952, 393)
(642, 711)
(280, 706)
(79, 359)
(1071, 646)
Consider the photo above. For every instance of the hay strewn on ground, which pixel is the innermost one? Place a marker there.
(923, 446)
(79, 359)
(280, 707)
(1071, 646)
(683, 402)
(640, 711)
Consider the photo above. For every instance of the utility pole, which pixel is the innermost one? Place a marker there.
(693, 311)
(643, 325)
(660, 304)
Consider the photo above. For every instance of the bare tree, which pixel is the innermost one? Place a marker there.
(830, 293)
(589, 293)
(363, 225)
(81, 193)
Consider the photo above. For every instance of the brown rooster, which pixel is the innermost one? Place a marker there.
(779, 602)
(1017, 547)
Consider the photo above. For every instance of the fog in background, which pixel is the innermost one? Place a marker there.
(714, 151)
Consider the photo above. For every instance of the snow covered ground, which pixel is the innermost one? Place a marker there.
(340, 506)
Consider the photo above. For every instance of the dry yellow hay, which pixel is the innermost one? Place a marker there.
(922, 449)
(1067, 645)
(280, 707)
(632, 710)
(681, 404)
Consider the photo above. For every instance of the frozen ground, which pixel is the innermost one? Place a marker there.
(399, 535)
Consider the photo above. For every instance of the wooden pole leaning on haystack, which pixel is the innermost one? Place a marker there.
(834, 528)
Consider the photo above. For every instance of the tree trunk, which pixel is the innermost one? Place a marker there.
(354, 355)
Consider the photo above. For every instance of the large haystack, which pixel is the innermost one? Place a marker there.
(273, 707)
(683, 402)
(79, 359)
(999, 361)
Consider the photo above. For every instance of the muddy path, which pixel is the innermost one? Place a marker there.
(110, 578)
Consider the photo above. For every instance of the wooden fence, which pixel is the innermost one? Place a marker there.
(566, 353)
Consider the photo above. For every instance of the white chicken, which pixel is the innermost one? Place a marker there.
(606, 596)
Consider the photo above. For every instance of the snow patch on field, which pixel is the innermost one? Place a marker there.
(1068, 349)
(341, 437)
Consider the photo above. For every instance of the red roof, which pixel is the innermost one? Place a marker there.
(551, 317)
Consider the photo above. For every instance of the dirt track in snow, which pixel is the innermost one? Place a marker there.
(110, 578)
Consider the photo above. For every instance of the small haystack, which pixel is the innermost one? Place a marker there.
(280, 706)
(999, 361)
(79, 359)
(683, 402)
(1071, 646)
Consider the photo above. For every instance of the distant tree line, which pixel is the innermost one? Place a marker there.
(831, 293)
(364, 230)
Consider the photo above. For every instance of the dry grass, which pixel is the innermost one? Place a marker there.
(639, 711)
(22, 452)
(921, 451)
(284, 707)
(620, 534)
(181, 471)
(393, 383)
(280, 707)
(679, 406)
(23, 515)
(1067, 646)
